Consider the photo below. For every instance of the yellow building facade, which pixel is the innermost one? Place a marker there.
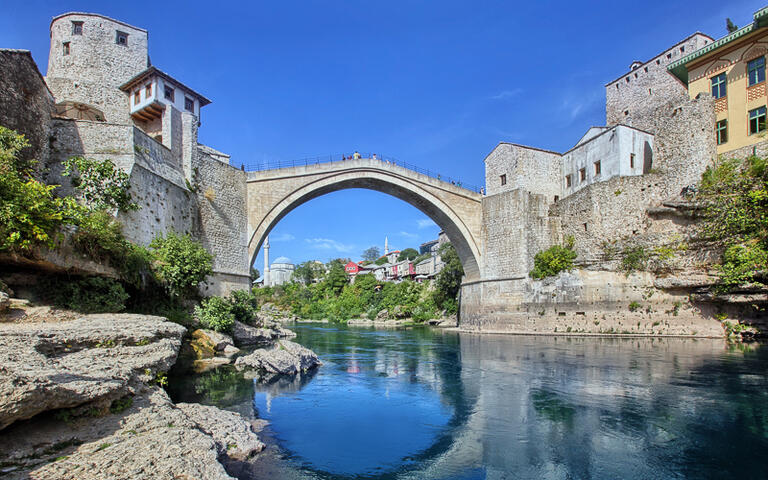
(733, 71)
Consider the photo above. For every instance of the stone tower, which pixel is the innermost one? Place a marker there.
(386, 245)
(266, 261)
(91, 56)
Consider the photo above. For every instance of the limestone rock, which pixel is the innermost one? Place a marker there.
(229, 430)
(220, 340)
(92, 360)
(230, 351)
(151, 439)
(382, 315)
(284, 332)
(5, 301)
(247, 335)
(285, 358)
(202, 345)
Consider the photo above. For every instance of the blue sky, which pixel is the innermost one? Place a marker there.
(432, 83)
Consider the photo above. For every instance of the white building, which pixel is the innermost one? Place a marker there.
(606, 152)
(281, 271)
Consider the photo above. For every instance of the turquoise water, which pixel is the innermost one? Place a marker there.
(429, 404)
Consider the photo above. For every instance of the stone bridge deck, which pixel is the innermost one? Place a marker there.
(272, 194)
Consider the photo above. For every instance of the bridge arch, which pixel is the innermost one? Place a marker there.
(274, 194)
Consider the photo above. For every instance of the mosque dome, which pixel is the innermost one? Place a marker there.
(284, 260)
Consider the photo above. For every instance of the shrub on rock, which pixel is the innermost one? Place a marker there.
(215, 313)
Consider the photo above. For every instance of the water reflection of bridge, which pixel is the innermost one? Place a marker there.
(539, 405)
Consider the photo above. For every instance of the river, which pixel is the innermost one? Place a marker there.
(430, 404)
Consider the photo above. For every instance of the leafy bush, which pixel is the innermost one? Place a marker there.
(553, 260)
(633, 259)
(741, 263)
(634, 306)
(736, 216)
(215, 313)
(30, 214)
(243, 305)
(91, 295)
(182, 263)
(101, 184)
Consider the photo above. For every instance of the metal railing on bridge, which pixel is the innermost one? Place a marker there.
(272, 165)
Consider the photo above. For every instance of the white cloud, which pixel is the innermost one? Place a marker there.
(329, 244)
(425, 223)
(283, 237)
(409, 235)
(507, 94)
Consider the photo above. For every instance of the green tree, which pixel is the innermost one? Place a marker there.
(336, 277)
(307, 272)
(371, 254)
(730, 26)
(182, 263)
(448, 281)
(408, 254)
(255, 273)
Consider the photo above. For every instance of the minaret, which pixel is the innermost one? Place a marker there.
(266, 262)
(386, 246)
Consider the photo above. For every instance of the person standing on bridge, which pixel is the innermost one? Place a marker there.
(374, 157)
(357, 155)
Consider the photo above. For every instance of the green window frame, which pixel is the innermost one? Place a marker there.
(721, 131)
(756, 70)
(757, 120)
(719, 86)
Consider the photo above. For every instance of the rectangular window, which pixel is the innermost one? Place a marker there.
(631, 160)
(756, 70)
(137, 97)
(721, 131)
(168, 93)
(77, 28)
(121, 38)
(757, 120)
(504, 179)
(597, 167)
(567, 180)
(189, 104)
(65, 48)
(582, 174)
(148, 91)
(718, 85)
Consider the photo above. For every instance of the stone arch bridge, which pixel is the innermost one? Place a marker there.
(272, 194)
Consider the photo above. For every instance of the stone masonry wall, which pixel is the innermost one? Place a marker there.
(516, 225)
(536, 171)
(26, 104)
(631, 98)
(759, 149)
(96, 65)
(585, 302)
(221, 197)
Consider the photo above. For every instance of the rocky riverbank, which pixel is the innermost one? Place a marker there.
(83, 399)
